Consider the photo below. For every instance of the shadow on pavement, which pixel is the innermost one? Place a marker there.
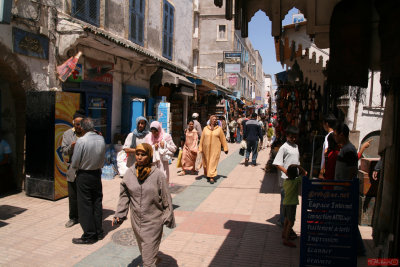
(255, 244)
(7, 211)
(274, 220)
(107, 224)
(270, 184)
(165, 260)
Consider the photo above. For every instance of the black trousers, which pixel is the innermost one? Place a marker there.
(90, 197)
(73, 201)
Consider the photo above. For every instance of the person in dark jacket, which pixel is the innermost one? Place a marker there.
(252, 134)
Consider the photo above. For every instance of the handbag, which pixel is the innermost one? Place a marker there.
(179, 162)
(199, 161)
(241, 152)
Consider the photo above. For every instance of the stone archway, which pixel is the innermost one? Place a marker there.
(15, 80)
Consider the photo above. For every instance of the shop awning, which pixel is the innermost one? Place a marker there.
(187, 91)
(174, 78)
(206, 85)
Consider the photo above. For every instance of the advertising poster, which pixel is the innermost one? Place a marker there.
(233, 79)
(66, 105)
(163, 115)
(76, 75)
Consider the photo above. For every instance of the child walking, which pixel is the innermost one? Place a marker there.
(290, 202)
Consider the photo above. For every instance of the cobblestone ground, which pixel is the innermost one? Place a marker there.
(229, 223)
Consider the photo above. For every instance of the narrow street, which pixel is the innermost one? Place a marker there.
(229, 223)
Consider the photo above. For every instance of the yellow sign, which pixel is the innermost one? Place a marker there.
(66, 106)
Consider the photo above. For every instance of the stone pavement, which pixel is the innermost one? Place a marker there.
(229, 223)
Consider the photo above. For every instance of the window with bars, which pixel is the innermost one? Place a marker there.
(136, 14)
(87, 10)
(168, 30)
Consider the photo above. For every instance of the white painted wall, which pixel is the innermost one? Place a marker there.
(368, 119)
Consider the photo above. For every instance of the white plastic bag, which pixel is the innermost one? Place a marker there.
(122, 159)
(243, 144)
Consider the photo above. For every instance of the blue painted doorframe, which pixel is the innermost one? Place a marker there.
(132, 109)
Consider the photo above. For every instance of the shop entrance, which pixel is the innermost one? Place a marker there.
(14, 81)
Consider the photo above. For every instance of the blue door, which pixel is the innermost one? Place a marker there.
(137, 108)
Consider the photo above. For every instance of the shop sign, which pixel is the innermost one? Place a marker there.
(98, 71)
(30, 44)
(233, 79)
(232, 62)
(329, 219)
(297, 18)
(76, 75)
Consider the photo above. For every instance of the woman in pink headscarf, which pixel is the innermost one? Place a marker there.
(163, 147)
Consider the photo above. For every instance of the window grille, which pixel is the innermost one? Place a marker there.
(136, 11)
(168, 30)
(87, 10)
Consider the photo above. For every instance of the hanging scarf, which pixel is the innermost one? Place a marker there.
(162, 135)
(136, 133)
(143, 171)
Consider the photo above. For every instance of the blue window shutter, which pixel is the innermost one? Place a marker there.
(171, 31)
(87, 10)
(137, 9)
(168, 30)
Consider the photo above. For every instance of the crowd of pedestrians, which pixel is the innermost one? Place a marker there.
(149, 149)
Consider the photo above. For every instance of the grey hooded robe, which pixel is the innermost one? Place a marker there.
(151, 207)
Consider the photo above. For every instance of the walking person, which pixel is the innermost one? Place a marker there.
(88, 159)
(232, 130)
(144, 191)
(270, 134)
(190, 149)
(210, 147)
(69, 139)
(197, 125)
(163, 147)
(252, 134)
(287, 155)
(239, 129)
(135, 138)
(290, 202)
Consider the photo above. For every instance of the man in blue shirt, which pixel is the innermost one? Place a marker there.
(252, 134)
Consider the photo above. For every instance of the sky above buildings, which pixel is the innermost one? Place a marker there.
(262, 40)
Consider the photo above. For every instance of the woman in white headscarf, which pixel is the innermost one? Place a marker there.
(163, 147)
(135, 138)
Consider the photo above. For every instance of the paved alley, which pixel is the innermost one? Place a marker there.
(229, 223)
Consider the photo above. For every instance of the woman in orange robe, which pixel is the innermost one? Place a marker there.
(190, 150)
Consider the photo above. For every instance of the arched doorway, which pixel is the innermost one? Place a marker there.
(15, 80)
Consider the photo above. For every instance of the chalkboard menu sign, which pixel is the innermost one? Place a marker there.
(329, 217)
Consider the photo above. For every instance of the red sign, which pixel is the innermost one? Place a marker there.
(233, 80)
(98, 71)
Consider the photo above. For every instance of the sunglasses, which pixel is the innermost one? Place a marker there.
(154, 129)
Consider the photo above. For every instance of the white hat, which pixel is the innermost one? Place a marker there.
(195, 115)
